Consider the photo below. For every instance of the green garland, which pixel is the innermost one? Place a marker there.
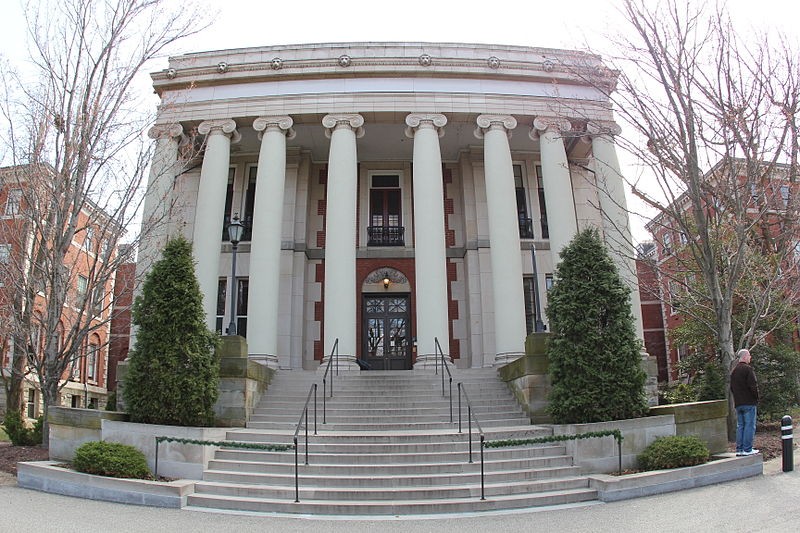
(230, 444)
(617, 434)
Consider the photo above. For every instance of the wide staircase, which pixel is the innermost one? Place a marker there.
(387, 447)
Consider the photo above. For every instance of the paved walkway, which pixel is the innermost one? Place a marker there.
(762, 504)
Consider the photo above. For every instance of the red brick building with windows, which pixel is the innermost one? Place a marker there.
(85, 381)
(771, 202)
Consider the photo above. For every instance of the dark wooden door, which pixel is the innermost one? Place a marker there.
(386, 332)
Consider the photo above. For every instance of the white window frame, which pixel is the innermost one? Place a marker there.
(13, 203)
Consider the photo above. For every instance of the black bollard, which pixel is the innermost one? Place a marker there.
(787, 442)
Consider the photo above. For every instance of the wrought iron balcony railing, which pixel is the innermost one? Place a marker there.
(385, 236)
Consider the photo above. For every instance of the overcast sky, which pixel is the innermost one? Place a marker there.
(547, 23)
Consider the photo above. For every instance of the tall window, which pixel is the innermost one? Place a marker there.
(525, 222)
(98, 300)
(249, 204)
(530, 302)
(5, 254)
(385, 212)
(82, 289)
(91, 361)
(222, 293)
(13, 202)
(88, 239)
(542, 206)
(785, 195)
(242, 293)
(226, 217)
(31, 404)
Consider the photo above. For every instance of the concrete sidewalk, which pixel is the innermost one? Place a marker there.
(764, 503)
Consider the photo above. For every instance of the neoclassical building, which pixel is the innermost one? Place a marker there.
(393, 194)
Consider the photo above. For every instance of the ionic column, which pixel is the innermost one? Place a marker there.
(158, 195)
(429, 239)
(265, 244)
(340, 235)
(509, 306)
(614, 210)
(559, 200)
(207, 238)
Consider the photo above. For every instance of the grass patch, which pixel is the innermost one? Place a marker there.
(3, 436)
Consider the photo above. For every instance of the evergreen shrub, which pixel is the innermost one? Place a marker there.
(777, 369)
(595, 358)
(111, 459)
(19, 434)
(673, 452)
(173, 373)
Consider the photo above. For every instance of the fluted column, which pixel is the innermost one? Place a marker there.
(210, 208)
(614, 210)
(504, 252)
(559, 199)
(429, 239)
(340, 234)
(265, 244)
(158, 195)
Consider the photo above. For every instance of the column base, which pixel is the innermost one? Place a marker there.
(504, 358)
(347, 363)
(431, 360)
(269, 360)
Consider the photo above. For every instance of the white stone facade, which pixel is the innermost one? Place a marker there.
(393, 191)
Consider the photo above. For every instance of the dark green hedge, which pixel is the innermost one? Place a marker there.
(673, 452)
(111, 459)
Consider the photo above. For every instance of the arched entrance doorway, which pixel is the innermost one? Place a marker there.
(386, 320)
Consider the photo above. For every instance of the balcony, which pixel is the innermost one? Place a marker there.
(385, 236)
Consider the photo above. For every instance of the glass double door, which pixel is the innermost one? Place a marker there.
(386, 332)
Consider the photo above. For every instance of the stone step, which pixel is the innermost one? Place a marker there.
(366, 506)
(391, 493)
(454, 465)
(377, 453)
(402, 480)
(392, 426)
(328, 435)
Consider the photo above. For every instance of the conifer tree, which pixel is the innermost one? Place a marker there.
(594, 354)
(174, 371)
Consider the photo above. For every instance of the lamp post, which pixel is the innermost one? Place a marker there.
(235, 230)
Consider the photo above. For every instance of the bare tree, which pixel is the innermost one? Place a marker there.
(75, 136)
(710, 115)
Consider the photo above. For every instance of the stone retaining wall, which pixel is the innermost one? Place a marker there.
(71, 427)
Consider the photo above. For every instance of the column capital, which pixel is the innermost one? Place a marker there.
(416, 121)
(544, 124)
(282, 123)
(602, 127)
(353, 121)
(494, 122)
(165, 131)
(225, 126)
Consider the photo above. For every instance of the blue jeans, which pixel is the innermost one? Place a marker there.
(745, 427)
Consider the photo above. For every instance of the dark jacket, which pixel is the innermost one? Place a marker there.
(744, 385)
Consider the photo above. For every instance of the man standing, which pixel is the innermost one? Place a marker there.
(745, 397)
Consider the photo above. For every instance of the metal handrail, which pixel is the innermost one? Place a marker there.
(303, 417)
(470, 417)
(440, 354)
(334, 353)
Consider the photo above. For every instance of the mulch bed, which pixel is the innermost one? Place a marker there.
(11, 455)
